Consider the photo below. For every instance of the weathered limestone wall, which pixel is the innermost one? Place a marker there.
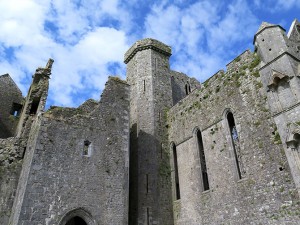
(10, 168)
(9, 94)
(266, 193)
(61, 177)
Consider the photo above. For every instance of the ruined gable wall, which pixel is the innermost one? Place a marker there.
(266, 191)
(61, 178)
(9, 94)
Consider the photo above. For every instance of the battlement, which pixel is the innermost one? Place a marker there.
(144, 44)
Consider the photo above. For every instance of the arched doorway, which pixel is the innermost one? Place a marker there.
(76, 221)
(77, 216)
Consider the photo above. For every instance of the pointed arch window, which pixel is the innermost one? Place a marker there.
(204, 175)
(187, 88)
(235, 144)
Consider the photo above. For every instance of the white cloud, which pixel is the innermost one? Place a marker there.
(201, 34)
(82, 48)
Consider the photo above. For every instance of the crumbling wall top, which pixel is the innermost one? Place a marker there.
(147, 43)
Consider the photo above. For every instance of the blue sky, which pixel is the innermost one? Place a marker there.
(88, 38)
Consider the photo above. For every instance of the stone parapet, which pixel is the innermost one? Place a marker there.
(144, 44)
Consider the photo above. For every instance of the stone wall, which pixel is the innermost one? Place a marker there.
(266, 192)
(77, 161)
(182, 85)
(11, 103)
(11, 154)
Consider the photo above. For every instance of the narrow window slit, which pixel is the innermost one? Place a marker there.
(148, 216)
(23, 153)
(235, 143)
(177, 188)
(202, 162)
(147, 183)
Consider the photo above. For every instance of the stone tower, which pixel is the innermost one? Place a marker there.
(280, 72)
(151, 96)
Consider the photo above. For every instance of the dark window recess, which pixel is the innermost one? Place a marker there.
(186, 89)
(76, 221)
(235, 143)
(177, 188)
(34, 105)
(86, 147)
(202, 162)
(24, 151)
(144, 85)
(147, 183)
(148, 216)
(16, 109)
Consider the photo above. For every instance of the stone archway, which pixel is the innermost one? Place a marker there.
(77, 216)
(76, 221)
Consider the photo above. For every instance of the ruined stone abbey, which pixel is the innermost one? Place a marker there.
(160, 148)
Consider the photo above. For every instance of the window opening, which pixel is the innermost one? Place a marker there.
(177, 189)
(34, 105)
(16, 109)
(148, 216)
(147, 183)
(235, 143)
(76, 221)
(24, 151)
(202, 162)
(86, 148)
(144, 85)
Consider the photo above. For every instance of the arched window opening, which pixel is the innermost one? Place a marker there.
(86, 148)
(202, 162)
(76, 221)
(186, 89)
(235, 143)
(177, 188)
